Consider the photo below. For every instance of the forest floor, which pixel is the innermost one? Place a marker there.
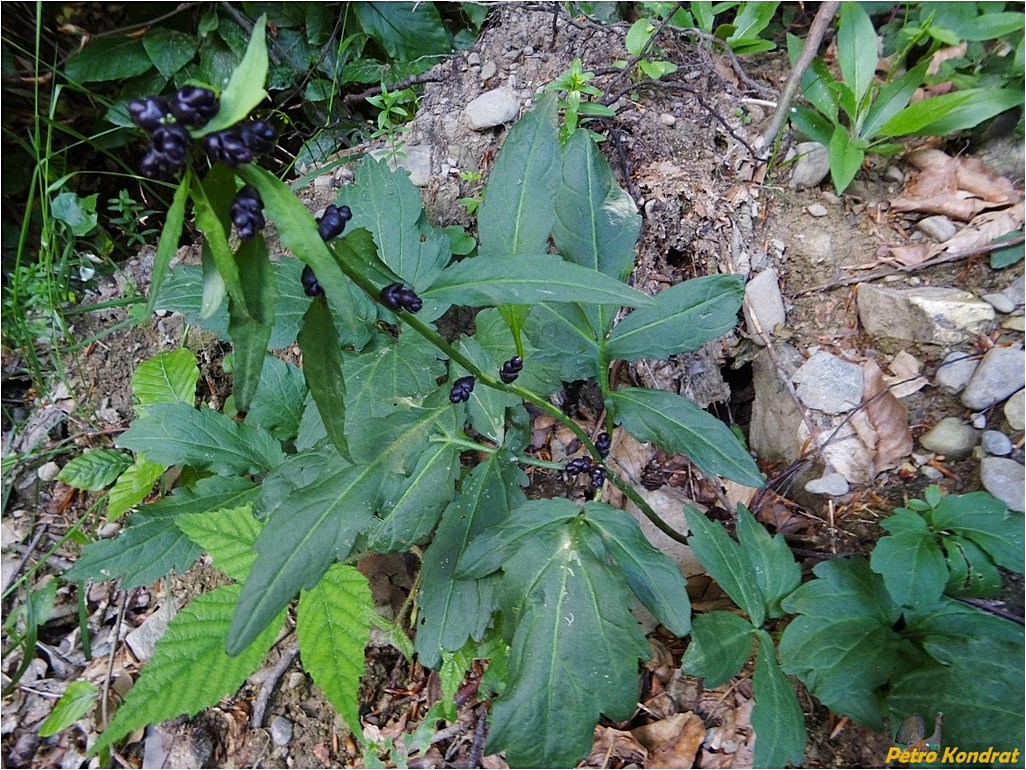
(682, 148)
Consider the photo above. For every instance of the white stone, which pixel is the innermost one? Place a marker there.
(1006, 480)
(830, 485)
(488, 70)
(812, 165)
(667, 119)
(492, 108)
(48, 471)
(1000, 301)
(938, 228)
(1014, 408)
(950, 437)
(816, 209)
(829, 384)
(764, 303)
(999, 375)
(955, 371)
(143, 640)
(934, 315)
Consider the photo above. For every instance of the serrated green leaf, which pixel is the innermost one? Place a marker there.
(133, 485)
(245, 89)
(151, 545)
(575, 645)
(565, 342)
(678, 426)
(982, 518)
(227, 534)
(777, 573)
(167, 246)
(190, 670)
(856, 48)
(384, 376)
(453, 609)
(177, 434)
(518, 211)
(169, 377)
(651, 574)
(333, 627)
(726, 562)
(250, 327)
(721, 643)
(277, 406)
(526, 280)
(777, 716)
(77, 700)
(94, 469)
(684, 318)
(910, 560)
(169, 50)
(111, 58)
(322, 368)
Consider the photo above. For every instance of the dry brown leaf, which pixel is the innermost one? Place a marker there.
(957, 205)
(630, 457)
(943, 54)
(615, 748)
(936, 175)
(888, 417)
(977, 178)
(904, 379)
(982, 230)
(672, 742)
(910, 255)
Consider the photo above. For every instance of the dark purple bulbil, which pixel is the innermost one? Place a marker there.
(310, 285)
(511, 369)
(259, 136)
(228, 147)
(195, 106)
(149, 112)
(246, 212)
(333, 221)
(396, 297)
(172, 141)
(603, 443)
(461, 389)
(155, 165)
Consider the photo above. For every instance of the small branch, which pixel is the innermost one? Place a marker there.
(260, 704)
(817, 31)
(427, 77)
(735, 65)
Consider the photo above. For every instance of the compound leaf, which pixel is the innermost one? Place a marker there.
(777, 716)
(678, 426)
(720, 645)
(333, 627)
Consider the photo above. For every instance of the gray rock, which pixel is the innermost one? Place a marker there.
(830, 485)
(1014, 408)
(938, 228)
(999, 375)
(488, 70)
(994, 442)
(667, 119)
(1016, 323)
(48, 471)
(281, 731)
(773, 432)
(492, 108)
(829, 384)
(812, 166)
(928, 314)
(764, 303)
(955, 371)
(143, 640)
(1017, 291)
(473, 58)
(1006, 480)
(415, 158)
(1000, 301)
(950, 437)
(816, 209)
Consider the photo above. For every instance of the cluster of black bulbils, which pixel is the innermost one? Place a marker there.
(511, 369)
(193, 107)
(461, 389)
(330, 225)
(595, 471)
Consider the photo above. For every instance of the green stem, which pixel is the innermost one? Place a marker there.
(645, 508)
(473, 446)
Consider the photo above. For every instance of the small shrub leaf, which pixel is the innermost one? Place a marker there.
(227, 534)
(169, 50)
(133, 485)
(777, 716)
(846, 158)
(856, 48)
(322, 368)
(169, 377)
(94, 469)
(333, 627)
(947, 113)
(77, 700)
(721, 643)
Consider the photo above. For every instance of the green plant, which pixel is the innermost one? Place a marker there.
(360, 450)
(572, 86)
(871, 638)
(128, 215)
(742, 34)
(638, 41)
(857, 114)
(393, 115)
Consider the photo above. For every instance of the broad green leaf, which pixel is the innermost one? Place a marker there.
(167, 246)
(322, 367)
(910, 560)
(597, 223)
(333, 627)
(947, 113)
(177, 434)
(637, 36)
(846, 157)
(486, 408)
(406, 31)
(169, 50)
(169, 377)
(227, 534)
(575, 645)
(518, 211)
(817, 82)
(725, 560)
(386, 202)
(684, 318)
(109, 58)
(190, 669)
(540, 369)
(856, 49)
(891, 99)
(565, 343)
(250, 328)
(1009, 255)
(971, 572)
(385, 376)
(133, 485)
(526, 280)
(982, 518)
(751, 20)
(94, 469)
(721, 643)
(396, 441)
(947, 625)
(151, 545)
(678, 426)
(300, 470)
(277, 406)
(812, 124)
(245, 89)
(651, 574)
(214, 287)
(777, 717)
(298, 232)
(974, 21)
(777, 574)
(78, 213)
(454, 609)
(845, 588)
(77, 700)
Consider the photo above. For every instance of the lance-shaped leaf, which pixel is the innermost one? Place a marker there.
(227, 535)
(95, 468)
(721, 643)
(518, 211)
(777, 574)
(190, 670)
(677, 425)
(322, 367)
(910, 560)
(526, 280)
(211, 219)
(78, 699)
(575, 646)
(169, 377)
(277, 406)
(454, 609)
(245, 89)
(651, 574)
(251, 330)
(333, 627)
(777, 716)
(177, 434)
(565, 341)
(684, 318)
(167, 247)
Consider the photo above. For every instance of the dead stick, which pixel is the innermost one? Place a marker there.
(260, 705)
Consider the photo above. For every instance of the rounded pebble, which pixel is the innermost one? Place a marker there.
(950, 437)
(816, 209)
(1014, 408)
(994, 442)
(1006, 480)
(49, 471)
(1001, 302)
(955, 371)
(830, 485)
(281, 731)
